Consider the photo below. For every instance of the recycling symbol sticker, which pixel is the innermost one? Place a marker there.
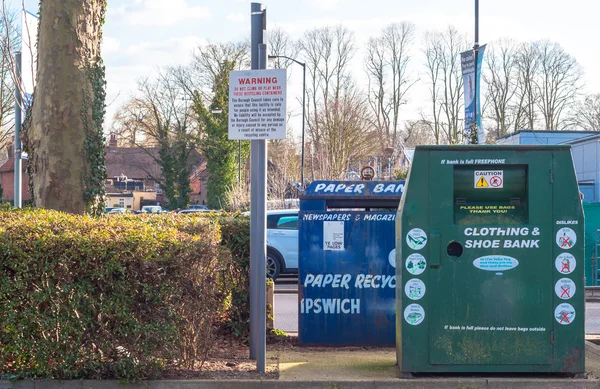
(414, 289)
(414, 314)
(565, 263)
(565, 288)
(566, 238)
(564, 314)
(416, 239)
(415, 264)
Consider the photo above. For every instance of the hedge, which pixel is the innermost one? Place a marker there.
(118, 296)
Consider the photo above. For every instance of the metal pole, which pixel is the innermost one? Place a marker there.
(303, 120)
(17, 164)
(258, 207)
(476, 137)
(261, 356)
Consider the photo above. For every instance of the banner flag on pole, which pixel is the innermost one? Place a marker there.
(29, 26)
(467, 60)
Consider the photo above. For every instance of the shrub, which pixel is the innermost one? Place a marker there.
(118, 296)
(235, 235)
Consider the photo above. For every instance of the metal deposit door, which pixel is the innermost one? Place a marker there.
(491, 265)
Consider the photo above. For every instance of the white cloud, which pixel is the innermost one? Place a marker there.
(238, 17)
(110, 45)
(126, 66)
(174, 51)
(163, 13)
(116, 11)
(324, 4)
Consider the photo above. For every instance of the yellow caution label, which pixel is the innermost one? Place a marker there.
(482, 183)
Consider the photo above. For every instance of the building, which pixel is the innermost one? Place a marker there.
(7, 178)
(131, 177)
(529, 137)
(584, 148)
(133, 174)
(586, 159)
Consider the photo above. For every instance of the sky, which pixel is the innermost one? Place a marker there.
(141, 36)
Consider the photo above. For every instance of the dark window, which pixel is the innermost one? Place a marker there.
(272, 221)
(282, 222)
(288, 222)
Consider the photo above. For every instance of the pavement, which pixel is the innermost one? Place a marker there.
(343, 369)
(352, 368)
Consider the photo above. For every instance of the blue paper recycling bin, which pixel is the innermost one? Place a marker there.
(347, 276)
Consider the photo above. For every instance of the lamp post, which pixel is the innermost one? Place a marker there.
(475, 137)
(272, 57)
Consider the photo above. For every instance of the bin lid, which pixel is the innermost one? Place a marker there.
(353, 190)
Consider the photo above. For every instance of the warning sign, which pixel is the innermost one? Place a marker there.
(257, 101)
(491, 179)
(481, 183)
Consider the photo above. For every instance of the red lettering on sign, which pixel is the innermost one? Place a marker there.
(257, 80)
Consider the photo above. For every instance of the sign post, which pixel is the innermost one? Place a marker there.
(257, 113)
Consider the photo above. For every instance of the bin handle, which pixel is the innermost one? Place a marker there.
(434, 250)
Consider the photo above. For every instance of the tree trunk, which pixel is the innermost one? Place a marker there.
(64, 119)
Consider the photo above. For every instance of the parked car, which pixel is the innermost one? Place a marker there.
(282, 242)
(192, 210)
(199, 206)
(117, 210)
(151, 209)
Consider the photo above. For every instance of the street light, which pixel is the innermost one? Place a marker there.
(272, 57)
(216, 111)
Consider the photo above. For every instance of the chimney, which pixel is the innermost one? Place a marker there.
(10, 151)
(112, 143)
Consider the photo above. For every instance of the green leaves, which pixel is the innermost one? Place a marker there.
(220, 152)
(119, 296)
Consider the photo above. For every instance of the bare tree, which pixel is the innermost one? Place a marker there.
(586, 114)
(328, 52)
(284, 169)
(417, 132)
(500, 77)
(442, 53)
(433, 52)
(131, 124)
(345, 134)
(207, 65)
(9, 43)
(160, 116)
(558, 84)
(281, 44)
(386, 64)
(528, 66)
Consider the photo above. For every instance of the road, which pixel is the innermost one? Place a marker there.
(286, 303)
(592, 318)
(286, 308)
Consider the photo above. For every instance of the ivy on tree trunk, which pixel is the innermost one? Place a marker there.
(176, 178)
(64, 138)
